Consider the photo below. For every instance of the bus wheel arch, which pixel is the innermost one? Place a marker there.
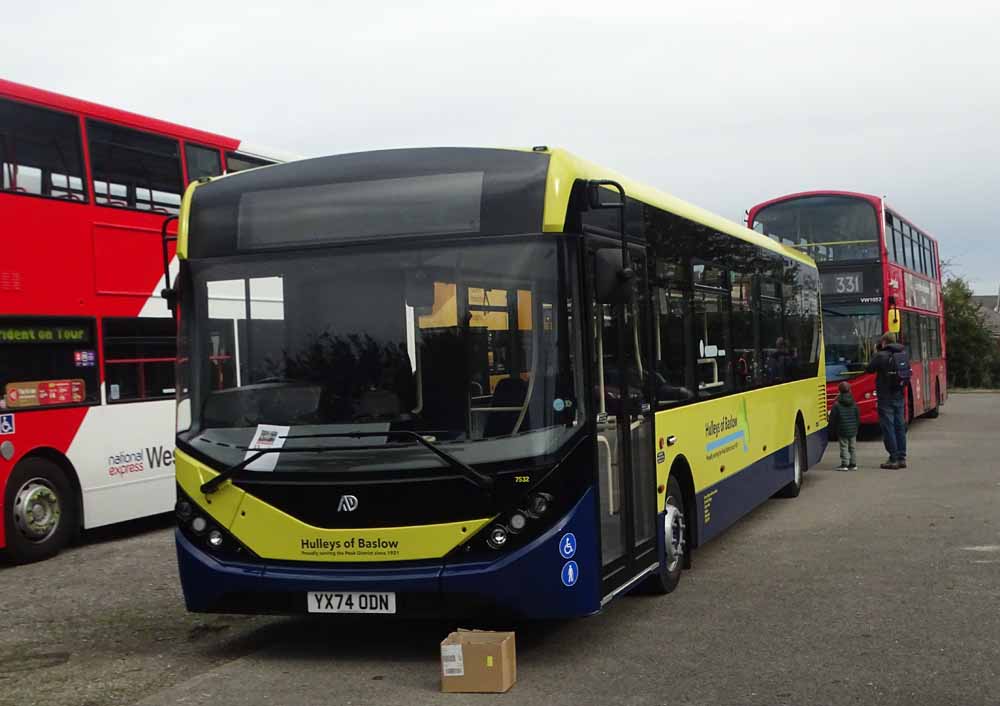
(678, 530)
(46, 479)
(680, 470)
(800, 460)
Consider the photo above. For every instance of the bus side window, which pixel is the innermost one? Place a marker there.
(40, 152)
(769, 332)
(133, 169)
(202, 161)
(801, 320)
(674, 370)
(890, 237)
(139, 358)
(745, 358)
(237, 162)
(711, 330)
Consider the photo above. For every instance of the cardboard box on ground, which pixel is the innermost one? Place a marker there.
(479, 661)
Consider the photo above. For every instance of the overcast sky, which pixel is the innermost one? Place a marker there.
(723, 104)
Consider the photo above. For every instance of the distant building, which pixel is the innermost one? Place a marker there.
(990, 306)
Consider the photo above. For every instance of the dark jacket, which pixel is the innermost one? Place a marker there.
(879, 364)
(845, 417)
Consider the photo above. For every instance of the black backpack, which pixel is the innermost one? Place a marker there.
(897, 371)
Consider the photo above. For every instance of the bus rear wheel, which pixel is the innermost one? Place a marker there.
(666, 578)
(936, 410)
(798, 465)
(40, 514)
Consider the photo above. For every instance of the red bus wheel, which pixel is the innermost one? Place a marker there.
(40, 513)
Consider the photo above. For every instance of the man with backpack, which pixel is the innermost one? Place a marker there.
(892, 375)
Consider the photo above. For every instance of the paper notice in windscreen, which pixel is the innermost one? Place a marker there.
(267, 436)
(451, 660)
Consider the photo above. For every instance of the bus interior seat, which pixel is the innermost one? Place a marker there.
(509, 392)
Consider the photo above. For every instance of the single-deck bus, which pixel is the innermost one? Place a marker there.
(878, 272)
(483, 380)
(86, 344)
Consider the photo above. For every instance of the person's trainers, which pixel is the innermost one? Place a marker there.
(852, 468)
(890, 465)
(901, 463)
(841, 468)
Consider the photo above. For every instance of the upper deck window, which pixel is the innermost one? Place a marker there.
(133, 169)
(202, 161)
(236, 162)
(825, 227)
(40, 152)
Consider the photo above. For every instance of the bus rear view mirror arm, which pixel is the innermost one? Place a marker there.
(168, 292)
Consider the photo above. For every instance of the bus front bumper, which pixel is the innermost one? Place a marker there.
(524, 583)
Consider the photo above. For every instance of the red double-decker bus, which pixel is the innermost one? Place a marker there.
(87, 346)
(878, 272)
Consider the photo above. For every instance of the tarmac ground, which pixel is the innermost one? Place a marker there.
(875, 587)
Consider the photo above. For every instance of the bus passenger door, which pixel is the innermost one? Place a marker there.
(625, 455)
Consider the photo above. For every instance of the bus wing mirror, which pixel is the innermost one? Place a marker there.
(419, 292)
(894, 320)
(611, 276)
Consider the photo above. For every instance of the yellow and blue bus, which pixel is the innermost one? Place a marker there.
(461, 381)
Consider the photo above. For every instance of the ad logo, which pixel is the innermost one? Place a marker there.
(348, 503)
(729, 434)
(153, 458)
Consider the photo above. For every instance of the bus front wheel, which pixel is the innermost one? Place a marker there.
(39, 511)
(666, 578)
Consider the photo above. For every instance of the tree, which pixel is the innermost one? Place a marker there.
(973, 359)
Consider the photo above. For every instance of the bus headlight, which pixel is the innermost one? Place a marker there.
(215, 539)
(497, 537)
(199, 524)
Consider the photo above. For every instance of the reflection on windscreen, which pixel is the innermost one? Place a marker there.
(824, 227)
(464, 343)
(849, 335)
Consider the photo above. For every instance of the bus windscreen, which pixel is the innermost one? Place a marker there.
(465, 343)
(827, 228)
(850, 334)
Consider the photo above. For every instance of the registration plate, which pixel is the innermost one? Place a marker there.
(351, 602)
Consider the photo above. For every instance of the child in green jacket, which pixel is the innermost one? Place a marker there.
(845, 418)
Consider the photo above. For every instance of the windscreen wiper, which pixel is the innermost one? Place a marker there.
(482, 480)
